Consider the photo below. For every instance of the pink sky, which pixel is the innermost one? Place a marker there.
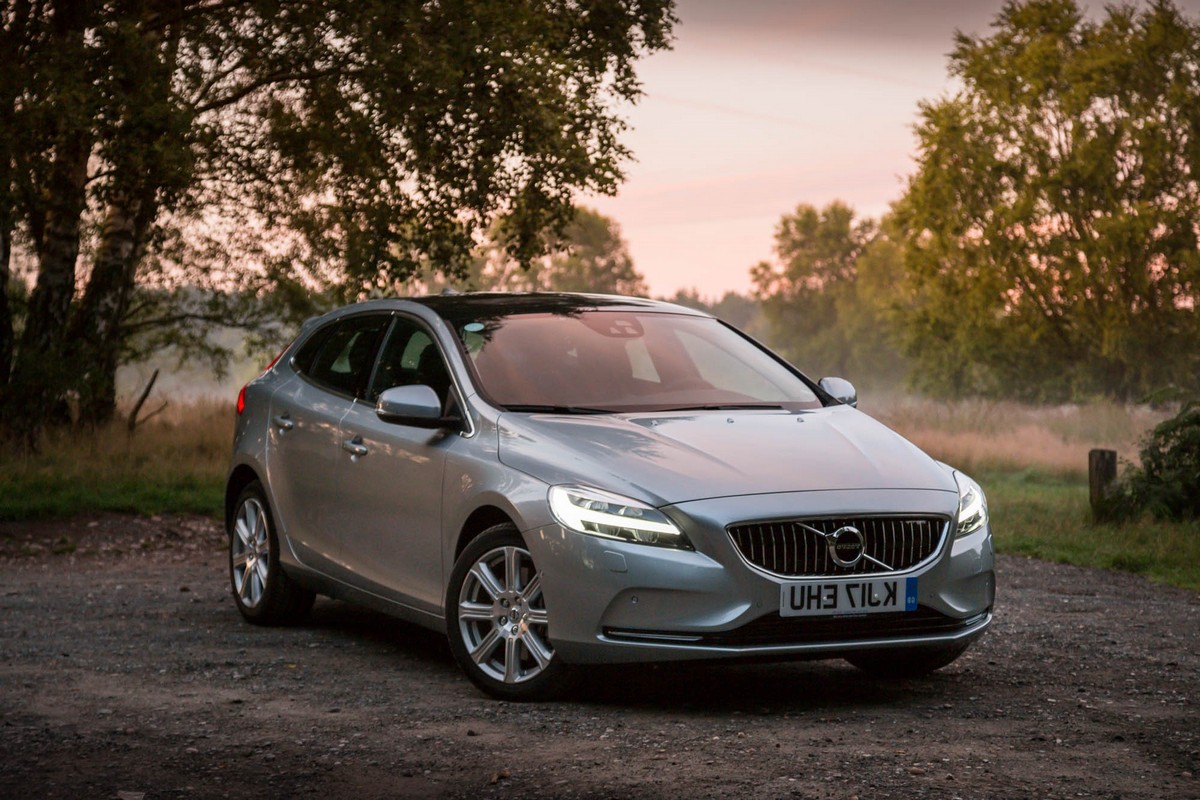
(765, 104)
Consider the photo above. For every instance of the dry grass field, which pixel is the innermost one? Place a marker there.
(174, 461)
(985, 435)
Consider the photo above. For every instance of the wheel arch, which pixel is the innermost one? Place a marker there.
(241, 477)
(477, 522)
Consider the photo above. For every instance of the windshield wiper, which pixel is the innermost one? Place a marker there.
(723, 407)
(550, 409)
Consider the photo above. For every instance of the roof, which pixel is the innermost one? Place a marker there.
(506, 303)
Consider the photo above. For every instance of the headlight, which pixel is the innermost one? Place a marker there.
(611, 516)
(972, 506)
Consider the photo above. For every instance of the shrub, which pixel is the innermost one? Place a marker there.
(1168, 482)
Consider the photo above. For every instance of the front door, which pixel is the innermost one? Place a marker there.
(390, 524)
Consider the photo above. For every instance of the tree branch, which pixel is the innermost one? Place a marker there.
(272, 80)
(176, 319)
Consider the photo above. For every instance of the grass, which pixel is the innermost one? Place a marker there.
(1031, 461)
(1040, 514)
(174, 462)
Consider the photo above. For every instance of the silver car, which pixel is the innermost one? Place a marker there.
(561, 480)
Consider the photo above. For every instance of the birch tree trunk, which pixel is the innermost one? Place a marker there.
(6, 328)
(96, 333)
(39, 374)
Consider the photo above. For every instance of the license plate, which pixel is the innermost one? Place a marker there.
(830, 598)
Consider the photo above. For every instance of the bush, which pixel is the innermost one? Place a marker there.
(1168, 482)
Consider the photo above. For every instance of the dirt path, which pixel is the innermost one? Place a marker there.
(125, 670)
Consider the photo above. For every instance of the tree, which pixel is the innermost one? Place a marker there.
(589, 256)
(739, 310)
(1053, 219)
(828, 300)
(168, 150)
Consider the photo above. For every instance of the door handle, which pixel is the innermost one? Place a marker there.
(355, 446)
(284, 422)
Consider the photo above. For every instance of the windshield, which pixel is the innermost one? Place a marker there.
(610, 360)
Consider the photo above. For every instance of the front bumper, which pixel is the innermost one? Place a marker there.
(613, 601)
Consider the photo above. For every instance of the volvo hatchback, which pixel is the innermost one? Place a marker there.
(561, 480)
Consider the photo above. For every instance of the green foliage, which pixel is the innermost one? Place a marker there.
(155, 155)
(829, 301)
(1052, 223)
(589, 256)
(1168, 482)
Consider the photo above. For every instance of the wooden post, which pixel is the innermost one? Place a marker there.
(1102, 473)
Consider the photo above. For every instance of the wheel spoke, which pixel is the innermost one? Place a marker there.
(480, 612)
(240, 559)
(244, 588)
(533, 588)
(485, 648)
(243, 532)
(487, 580)
(541, 654)
(250, 517)
(512, 660)
(538, 616)
(260, 526)
(512, 569)
(260, 567)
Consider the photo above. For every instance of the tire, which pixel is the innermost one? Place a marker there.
(911, 662)
(493, 581)
(263, 592)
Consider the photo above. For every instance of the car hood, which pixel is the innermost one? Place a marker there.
(668, 458)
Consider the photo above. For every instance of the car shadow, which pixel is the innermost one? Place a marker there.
(346, 623)
(825, 686)
(805, 686)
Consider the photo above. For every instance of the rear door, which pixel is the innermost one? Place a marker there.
(331, 369)
(389, 524)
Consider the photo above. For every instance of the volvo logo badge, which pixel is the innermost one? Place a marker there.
(846, 546)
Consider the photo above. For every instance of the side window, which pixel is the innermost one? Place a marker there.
(410, 357)
(339, 356)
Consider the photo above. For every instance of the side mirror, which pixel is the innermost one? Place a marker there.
(416, 405)
(841, 389)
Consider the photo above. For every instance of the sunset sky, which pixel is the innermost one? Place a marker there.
(765, 104)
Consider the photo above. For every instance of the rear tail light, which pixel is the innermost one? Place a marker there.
(241, 401)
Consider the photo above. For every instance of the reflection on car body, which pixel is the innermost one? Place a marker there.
(561, 480)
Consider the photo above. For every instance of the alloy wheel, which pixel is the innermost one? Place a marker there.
(502, 616)
(250, 550)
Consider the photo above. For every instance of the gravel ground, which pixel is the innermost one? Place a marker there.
(126, 672)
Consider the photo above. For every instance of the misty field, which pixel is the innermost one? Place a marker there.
(1032, 461)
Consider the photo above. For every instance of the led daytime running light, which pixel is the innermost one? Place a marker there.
(972, 506)
(611, 516)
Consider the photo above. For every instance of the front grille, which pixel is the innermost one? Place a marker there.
(773, 629)
(799, 548)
